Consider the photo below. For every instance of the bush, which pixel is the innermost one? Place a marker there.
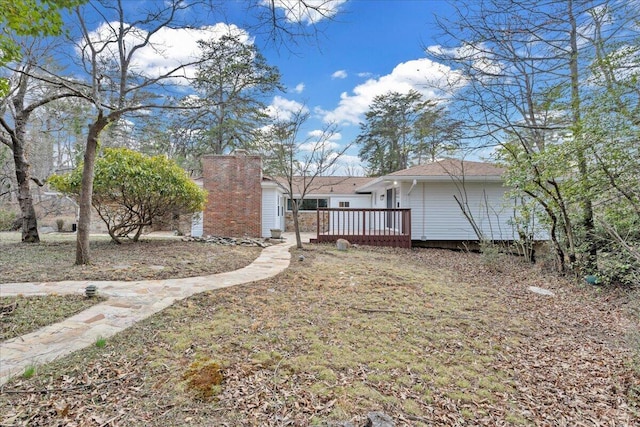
(60, 224)
(131, 191)
(7, 219)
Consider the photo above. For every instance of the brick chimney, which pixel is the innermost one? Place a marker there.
(234, 201)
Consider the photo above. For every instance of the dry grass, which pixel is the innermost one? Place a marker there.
(150, 258)
(429, 337)
(32, 313)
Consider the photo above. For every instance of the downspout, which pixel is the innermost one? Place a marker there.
(413, 184)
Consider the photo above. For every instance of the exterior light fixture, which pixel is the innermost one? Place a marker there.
(91, 291)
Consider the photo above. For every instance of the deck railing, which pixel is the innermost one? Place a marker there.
(375, 227)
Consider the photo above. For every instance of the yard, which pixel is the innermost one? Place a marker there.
(154, 257)
(429, 337)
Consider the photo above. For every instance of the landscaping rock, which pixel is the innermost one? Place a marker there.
(540, 291)
(342, 244)
(379, 419)
(229, 241)
(340, 424)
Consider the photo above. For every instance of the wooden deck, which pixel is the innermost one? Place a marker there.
(374, 227)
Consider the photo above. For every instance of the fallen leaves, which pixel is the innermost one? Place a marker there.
(428, 337)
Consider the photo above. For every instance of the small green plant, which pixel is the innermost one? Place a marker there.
(101, 342)
(29, 371)
(60, 224)
(490, 255)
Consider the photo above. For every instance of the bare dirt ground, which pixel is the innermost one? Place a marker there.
(429, 337)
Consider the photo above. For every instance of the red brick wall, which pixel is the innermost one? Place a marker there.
(234, 201)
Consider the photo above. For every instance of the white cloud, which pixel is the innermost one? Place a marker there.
(315, 145)
(340, 74)
(480, 55)
(308, 12)
(299, 88)
(317, 133)
(168, 48)
(365, 75)
(422, 75)
(348, 165)
(284, 109)
(315, 136)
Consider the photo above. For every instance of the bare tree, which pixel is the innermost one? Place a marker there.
(26, 95)
(285, 23)
(298, 162)
(115, 86)
(519, 69)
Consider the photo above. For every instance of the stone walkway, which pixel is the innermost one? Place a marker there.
(127, 303)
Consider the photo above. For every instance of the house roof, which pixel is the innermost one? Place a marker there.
(441, 170)
(438, 171)
(326, 185)
(452, 167)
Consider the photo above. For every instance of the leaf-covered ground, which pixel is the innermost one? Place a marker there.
(150, 258)
(429, 337)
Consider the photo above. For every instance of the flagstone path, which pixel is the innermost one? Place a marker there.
(127, 303)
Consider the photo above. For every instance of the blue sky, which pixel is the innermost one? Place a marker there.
(368, 48)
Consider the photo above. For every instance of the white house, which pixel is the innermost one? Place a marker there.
(446, 197)
(445, 201)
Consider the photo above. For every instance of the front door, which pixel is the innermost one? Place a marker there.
(280, 216)
(390, 202)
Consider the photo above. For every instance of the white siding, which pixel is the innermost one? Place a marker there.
(197, 224)
(349, 222)
(435, 214)
(359, 201)
(270, 217)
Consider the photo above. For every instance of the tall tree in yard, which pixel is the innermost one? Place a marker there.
(25, 95)
(24, 18)
(401, 128)
(528, 83)
(611, 122)
(232, 83)
(117, 87)
(298, 160)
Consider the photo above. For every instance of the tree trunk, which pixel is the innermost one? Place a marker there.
(590, 261)
(86, 191)
(29, 220)
(296, 223)
(23, 176)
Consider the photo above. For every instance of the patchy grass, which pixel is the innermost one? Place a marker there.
(32, 313)
(429, 337)
(151, 258)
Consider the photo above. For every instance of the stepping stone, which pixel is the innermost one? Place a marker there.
(541, 291)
